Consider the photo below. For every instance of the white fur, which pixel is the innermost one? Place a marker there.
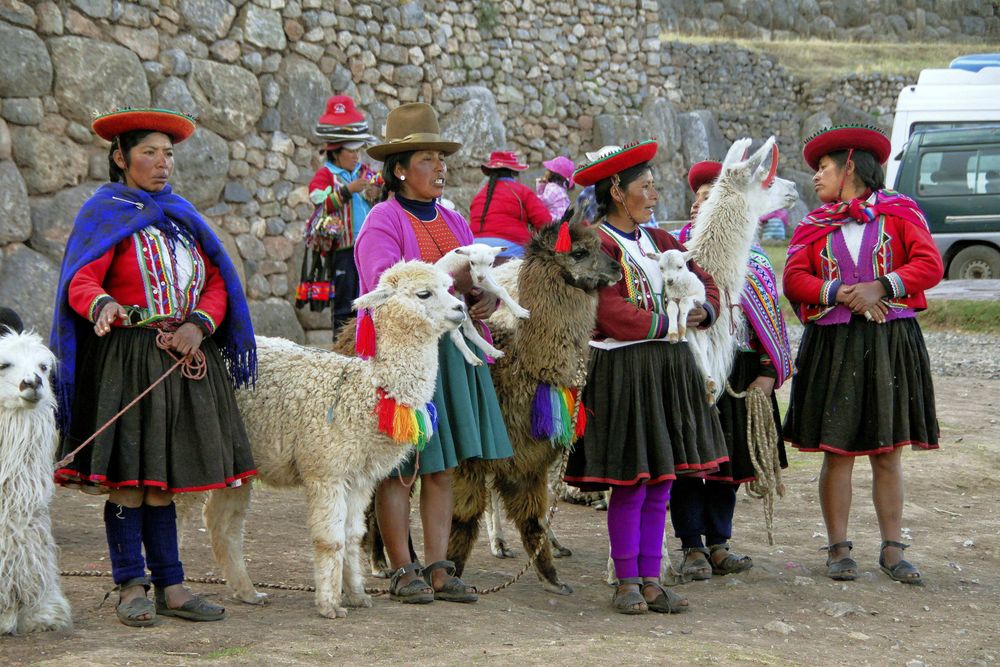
(30, 595)
(479, 257)
(724, 230)
(312, 424)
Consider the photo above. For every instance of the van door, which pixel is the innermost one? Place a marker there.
(959, 189)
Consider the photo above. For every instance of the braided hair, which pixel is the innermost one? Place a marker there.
(867, 170)
(495, 175)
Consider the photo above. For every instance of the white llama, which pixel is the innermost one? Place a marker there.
(30, 595)
(479, 257)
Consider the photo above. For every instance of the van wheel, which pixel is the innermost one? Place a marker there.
(974, 263)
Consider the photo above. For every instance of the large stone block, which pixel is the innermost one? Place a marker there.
(263, 27)
(701, 138)
(95, 76)
(210, 19)
(304, 91)
(475, 121)
(276, 317)
(52, 218)
(201, 165)
(172, 93)
(28, 283)
(15, 216)
(47, 161)
(228, 95)
(27, 69)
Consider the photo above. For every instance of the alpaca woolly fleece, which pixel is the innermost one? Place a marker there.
(30, 595)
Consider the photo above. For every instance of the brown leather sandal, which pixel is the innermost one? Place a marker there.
(629, 602)
(454, 589)
(413, 592)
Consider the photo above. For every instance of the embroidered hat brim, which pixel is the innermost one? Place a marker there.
(703, 172)
(611, 164)
(174, 124)
(845, 137)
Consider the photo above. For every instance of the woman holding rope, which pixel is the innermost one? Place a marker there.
(145, 282)
(702, 507)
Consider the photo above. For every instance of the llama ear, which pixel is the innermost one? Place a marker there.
(757, 159)
(373, 299)
(736, 152)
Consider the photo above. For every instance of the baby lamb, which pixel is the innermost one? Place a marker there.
(479, 257)
(682, 293)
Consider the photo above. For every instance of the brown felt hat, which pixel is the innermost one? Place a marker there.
(412, 127)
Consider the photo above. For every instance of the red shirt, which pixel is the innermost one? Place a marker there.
(513, 207)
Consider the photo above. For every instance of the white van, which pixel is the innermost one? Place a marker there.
(943, 99)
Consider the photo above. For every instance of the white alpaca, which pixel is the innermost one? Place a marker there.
(479, 257)
(682, 293)
(723, 233)
(312, 423)
(30, 596)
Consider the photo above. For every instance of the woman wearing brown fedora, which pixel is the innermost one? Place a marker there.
(410, 224)
(505, 211)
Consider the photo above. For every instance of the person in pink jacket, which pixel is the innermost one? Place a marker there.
(553, 188)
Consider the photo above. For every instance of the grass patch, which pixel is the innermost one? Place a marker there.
(232, 652)
(962, 316)
(820, 59)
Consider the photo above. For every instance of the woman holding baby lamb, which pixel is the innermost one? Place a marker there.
(650, 422)
(410, 224)
(702, 507)
(856, 274)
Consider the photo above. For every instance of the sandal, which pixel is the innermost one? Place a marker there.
(129, 612)
(697, 568)
(731, 564)
(414, 592)
(195, 609)
(843, 569)
(454, 589)
(667, 602)
(629, 602)
(903, 571)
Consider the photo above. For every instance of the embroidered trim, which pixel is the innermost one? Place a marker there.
(898, 289)
(96, 305)
(209, 322)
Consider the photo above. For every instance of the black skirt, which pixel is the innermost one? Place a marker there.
(862, 388)
(185, 435)
(647, 419)
(733, 416)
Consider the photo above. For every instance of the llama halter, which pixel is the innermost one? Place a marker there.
(405, 424)
(553, 412)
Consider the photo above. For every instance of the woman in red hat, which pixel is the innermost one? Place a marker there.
(702, 507)
(857, 270)
(650, 420)
(504, 212)
(145, 281)
(343, 190)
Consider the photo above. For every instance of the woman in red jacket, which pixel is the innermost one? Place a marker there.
(505, 211)
(650, 421)
(856, 272)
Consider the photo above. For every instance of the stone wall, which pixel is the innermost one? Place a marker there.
(857, 20)
(257, 73)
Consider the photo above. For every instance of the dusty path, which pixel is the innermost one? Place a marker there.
(951, 515)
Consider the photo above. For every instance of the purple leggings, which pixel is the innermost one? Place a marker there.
(636, 515)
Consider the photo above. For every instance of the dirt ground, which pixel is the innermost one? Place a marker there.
(783, 612)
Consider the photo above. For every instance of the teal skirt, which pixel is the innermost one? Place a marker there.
(470, 425)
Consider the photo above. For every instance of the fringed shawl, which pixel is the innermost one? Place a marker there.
(110, 216)
(759, 302)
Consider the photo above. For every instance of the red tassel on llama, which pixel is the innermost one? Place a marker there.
(563, 241)
(364, 343)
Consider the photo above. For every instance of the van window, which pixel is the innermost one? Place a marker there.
(988, 172)
(945, 173)
(951, 125)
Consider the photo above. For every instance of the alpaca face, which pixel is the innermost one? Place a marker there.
(417, 296)
(25, 364)
(584, 266)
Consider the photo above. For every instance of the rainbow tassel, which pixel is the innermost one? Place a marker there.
(552, 413)
(404, 424)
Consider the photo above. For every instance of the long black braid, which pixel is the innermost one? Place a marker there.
(495, 175)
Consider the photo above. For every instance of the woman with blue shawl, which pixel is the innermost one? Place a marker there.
(141, 262)
(703, 506)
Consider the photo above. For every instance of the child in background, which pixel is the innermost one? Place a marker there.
(553, 188)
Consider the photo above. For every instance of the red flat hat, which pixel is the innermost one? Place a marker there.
(504, 160)
(613, 161)
(845, 137)
(176, 125)
(703, 172)
(340, 111)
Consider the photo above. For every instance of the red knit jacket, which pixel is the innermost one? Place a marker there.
(513, 207)
(621, 319)
(116, 274)
(909, 265)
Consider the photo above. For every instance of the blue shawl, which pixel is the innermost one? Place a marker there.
(110, 216)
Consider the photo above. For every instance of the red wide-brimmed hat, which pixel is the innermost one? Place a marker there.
(562, 166)
(176, 125)
(340, 111)
(846, 137)
(612, 159)
(504, 160)
(703, 172)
